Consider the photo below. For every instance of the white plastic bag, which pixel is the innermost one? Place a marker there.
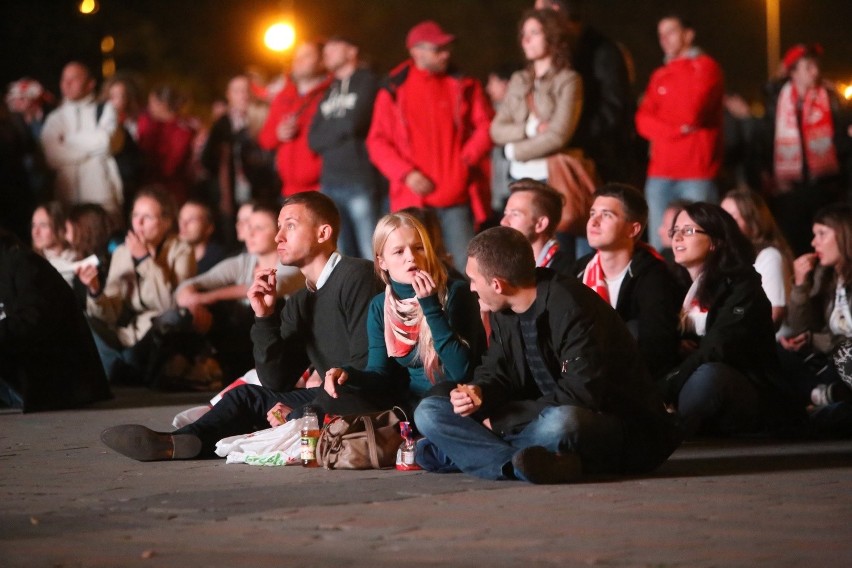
(273, 446)
(190, 415)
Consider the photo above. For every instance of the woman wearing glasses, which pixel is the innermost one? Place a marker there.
(728, 381)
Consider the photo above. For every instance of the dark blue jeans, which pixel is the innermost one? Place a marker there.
(456, 443)
(718, 399)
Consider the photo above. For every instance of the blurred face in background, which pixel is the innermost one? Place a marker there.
(118, 97)
(533, 41)
(730, 206)
(193, 224)
(76, 84)
(42, 233)
(674, 38)
(238, 94)
(148, 221)
(262, 228)
(496, 88)
(805, 73)
(307, 62)
(431, 57)
(243, 215)
(337, 54)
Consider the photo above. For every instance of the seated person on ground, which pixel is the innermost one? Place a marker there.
(143, 275)
(196, 228)
(562, 390)
(322, 326)
(728, 381)
(422, 323)
(631, 276)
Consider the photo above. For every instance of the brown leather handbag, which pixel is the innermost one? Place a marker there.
(573, 175)
(360, 441)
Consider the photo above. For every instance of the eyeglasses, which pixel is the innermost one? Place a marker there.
(685, 231)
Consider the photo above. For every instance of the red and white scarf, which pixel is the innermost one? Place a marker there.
(404, 329)
(594, 277)
(813, 131)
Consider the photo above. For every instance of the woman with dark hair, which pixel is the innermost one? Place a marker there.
(728, 381)
(542, 106)
(774, 260)
(48, 236)
(819, 308)
(87, 229)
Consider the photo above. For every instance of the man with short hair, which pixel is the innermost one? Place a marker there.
(290, 114)
(535, 209)
(76, 138)
(196, 227)
(429, 137)
(562, 390)
(631, 276)
(338, 134)
(681, 116)
(322, 326)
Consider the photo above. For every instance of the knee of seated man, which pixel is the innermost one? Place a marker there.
(564, 420)
(426, 415)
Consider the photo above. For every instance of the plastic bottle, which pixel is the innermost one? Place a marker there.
(405, 454)
(310, 437)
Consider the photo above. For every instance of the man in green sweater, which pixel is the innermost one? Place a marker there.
(321, 326)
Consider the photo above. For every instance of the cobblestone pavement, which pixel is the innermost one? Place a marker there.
(66, 501)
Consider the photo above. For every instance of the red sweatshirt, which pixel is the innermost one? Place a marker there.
(298, 166)
(681, 116)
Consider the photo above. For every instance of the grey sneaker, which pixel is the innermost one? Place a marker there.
(537, 465)
(143, 444)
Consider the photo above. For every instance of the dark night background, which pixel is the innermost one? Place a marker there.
(199, 43)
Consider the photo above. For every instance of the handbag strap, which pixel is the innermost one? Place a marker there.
(372, 447)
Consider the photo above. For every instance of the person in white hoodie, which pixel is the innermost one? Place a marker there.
(77, 138)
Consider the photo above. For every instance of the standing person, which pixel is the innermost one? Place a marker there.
(543, 103)
(165, 140)
(322, 326)
(535, 209)
(238, 168)
(338, 134)
(29, 104)
(808, 140)
(123, 93)
(562, 390)
(77, 139)
(429, 137)
(286, 128)
(496, 88)
(728, 381)
(422, 322)
(605, 130)
(681, 116)
(631, 276)
(140, 285)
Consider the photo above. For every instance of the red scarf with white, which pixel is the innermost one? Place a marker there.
(813, 131)
(594, 277)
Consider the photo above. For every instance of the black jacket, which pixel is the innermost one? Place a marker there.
(47, 353)
(592, 357)
(649, 303)
(739, 333)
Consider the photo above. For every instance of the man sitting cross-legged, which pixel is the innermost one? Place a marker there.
(562, 390)
(322, 326)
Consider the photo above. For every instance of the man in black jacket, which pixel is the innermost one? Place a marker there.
(632, 276)
(562, 390)
(322, 326)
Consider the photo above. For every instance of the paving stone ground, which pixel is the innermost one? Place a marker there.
(67, 501)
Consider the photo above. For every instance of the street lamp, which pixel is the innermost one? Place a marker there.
(280, 37)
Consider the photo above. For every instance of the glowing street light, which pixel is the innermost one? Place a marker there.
(88, 7)
(280, 37)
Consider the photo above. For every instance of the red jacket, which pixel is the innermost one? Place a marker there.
(684, 94)
(166, 148)
(298, 166)
(390, 148)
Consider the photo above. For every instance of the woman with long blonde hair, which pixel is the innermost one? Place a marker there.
(422, 322)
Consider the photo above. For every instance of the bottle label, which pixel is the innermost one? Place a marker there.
(309, 448)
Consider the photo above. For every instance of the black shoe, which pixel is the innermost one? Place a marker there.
(143, 444)
(537, 465)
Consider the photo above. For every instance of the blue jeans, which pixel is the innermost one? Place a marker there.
(456, 443)
(457, 229)
(718, 399)
(359, 214)
(127, 365)
(659, 192)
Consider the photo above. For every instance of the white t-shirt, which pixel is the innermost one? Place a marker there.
(774, 277)
(614, 285)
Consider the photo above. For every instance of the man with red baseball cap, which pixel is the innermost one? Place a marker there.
(429, 137)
